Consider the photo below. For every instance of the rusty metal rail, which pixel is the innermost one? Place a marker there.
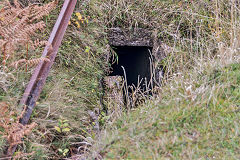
(41, 72)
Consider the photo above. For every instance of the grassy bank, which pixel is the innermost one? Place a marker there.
(71, 90)
(194, 115)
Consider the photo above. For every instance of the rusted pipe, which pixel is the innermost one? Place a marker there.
(41, 72)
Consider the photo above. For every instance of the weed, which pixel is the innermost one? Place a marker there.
(63, 126)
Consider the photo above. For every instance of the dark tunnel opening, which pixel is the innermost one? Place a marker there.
(136, 62)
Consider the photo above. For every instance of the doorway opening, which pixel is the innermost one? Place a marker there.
(134, 64)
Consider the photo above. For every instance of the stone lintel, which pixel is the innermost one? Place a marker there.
(124, 37)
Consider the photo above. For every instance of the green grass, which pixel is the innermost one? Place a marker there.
(180, 122)
(71, 90)
(179, 127)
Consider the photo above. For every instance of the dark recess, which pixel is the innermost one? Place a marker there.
(136, 62)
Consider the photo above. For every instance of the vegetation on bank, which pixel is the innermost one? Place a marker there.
(193, 115)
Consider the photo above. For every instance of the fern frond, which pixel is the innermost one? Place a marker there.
(36, 61)
(2, 42)
(13, 130)
(19, 25)
(37, 43)
(30, 63)
(39, 11)
(31, 29)
(17, 63)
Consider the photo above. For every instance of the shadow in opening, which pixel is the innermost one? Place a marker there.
(136, 62)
